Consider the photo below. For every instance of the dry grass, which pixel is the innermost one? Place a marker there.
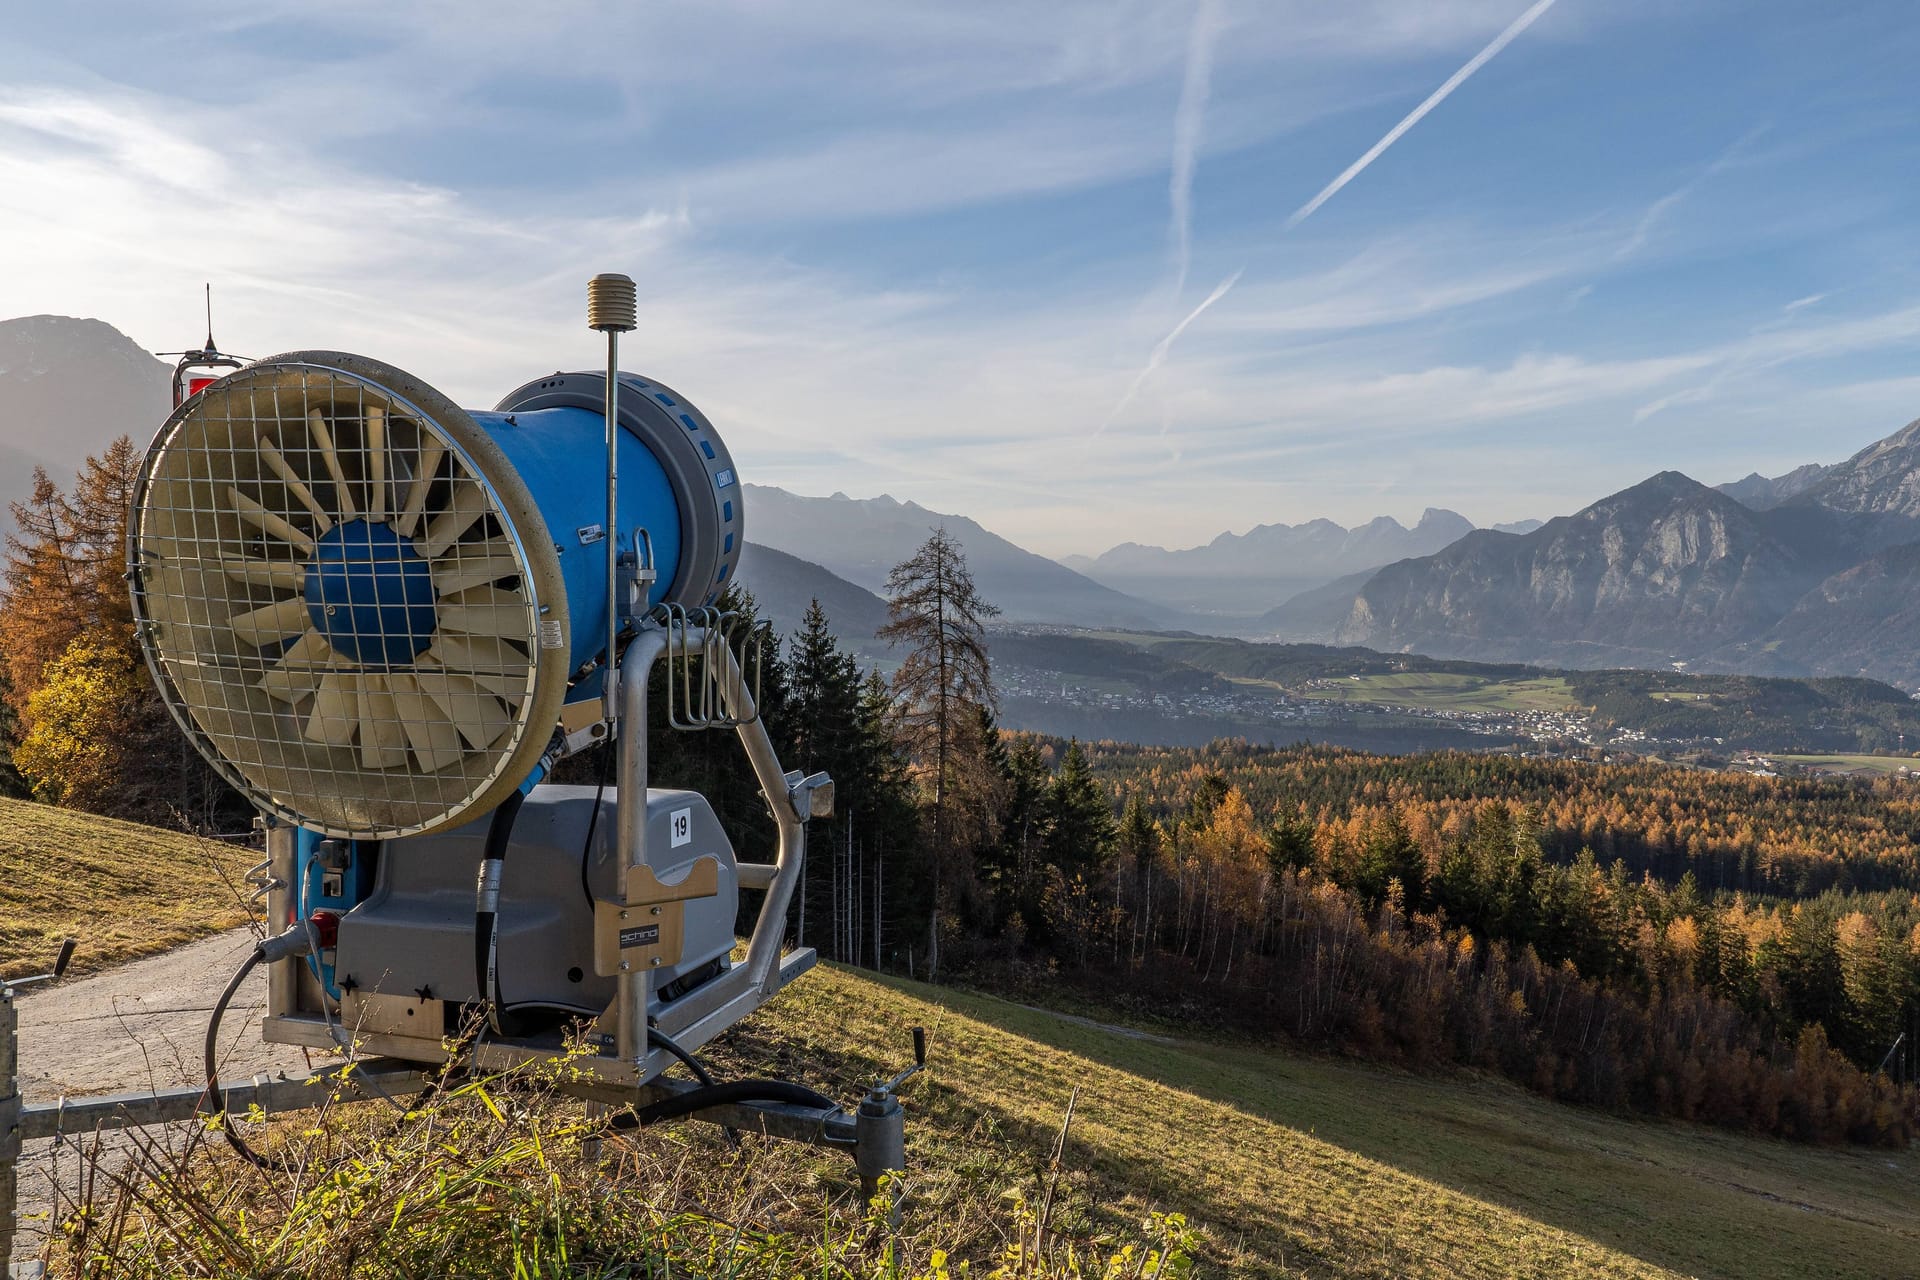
(1290, 1165)
(1301, 1166)
(125, 890)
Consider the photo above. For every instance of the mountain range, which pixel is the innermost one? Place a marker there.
(861, 539)
(1240, 574)
(68, 387)
(1813, 572)
(1820, 575)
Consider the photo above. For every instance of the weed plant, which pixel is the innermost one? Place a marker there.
(507, 1176)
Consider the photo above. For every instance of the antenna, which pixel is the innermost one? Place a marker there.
(210, 346)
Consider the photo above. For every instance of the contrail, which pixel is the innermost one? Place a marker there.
(1188, 117)
(1414, 116)
(1158, 356)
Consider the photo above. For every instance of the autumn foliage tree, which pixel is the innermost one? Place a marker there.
(63, 591)
(84, 725)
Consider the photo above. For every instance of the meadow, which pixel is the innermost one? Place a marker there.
(123, 889)
(1286, 1163)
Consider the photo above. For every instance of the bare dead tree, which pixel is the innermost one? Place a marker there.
(937, 614)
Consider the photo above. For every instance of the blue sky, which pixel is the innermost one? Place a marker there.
(934, 250)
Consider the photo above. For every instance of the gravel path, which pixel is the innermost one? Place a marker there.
(138, 1026)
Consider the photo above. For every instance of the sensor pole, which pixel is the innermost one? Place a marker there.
(612, 309)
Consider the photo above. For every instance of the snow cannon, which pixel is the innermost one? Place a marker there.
(367, 606)
(385, 619)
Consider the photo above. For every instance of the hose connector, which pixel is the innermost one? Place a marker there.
(296, 941)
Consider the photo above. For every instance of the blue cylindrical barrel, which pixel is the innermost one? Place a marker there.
(560, 455)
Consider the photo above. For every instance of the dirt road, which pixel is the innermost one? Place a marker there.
(139, 1026)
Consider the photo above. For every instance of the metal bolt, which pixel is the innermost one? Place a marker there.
(623, 915)
(655, 962)
(656, 911)
(625, 965)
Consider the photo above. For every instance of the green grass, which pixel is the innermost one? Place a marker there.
(1288, 1164)
(1297, 1165)
(1448, 691)
(123, 889)
(1879, 766)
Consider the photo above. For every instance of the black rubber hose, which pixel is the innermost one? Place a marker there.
(607, 749)
(662, 1040)
(718, 1095)
(215, 1095)
(486, 922)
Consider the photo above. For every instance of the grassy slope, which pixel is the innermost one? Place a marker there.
(1306, 1166)
(1292, 1165)
(124, 890)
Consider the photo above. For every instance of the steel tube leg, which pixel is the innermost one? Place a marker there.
(880, 1148)
(635, 989)
(9, 1126)
(283, 976)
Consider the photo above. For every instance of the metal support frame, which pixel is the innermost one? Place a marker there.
(10, 1116)
(875, 1136)
(702, 1014)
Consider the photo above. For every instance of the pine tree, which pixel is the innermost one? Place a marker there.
(938, 615)
(825, 737)
(1016, 868)
(1080, 829)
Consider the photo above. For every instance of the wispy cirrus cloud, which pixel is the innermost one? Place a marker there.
(902, 248)
(1188, 118)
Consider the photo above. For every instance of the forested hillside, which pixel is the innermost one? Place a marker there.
(1691, 943)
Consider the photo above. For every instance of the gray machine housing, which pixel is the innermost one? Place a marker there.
(414, 935)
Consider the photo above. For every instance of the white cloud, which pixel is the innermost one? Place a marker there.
(1334, 378)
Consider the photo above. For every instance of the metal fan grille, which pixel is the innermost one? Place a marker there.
(342, 615)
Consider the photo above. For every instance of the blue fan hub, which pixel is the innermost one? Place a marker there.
(371, 594)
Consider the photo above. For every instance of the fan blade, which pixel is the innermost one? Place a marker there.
(271, 623)
(298, 673)
(468, 505)
(336, 710)
(376, 440)
(476, 713)
(475, 565)
(435, 743)
(431, 454)
(267, 522)
(383, 739)
(486, 611)
(285, 574)
(317, 428)
(278, 464)
(488, 662)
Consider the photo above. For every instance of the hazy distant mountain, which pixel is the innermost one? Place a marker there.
(783, 586)
(1667, 570)
(1861, 621)
(1315, 616)
(1246, 574)
(1763, 493)
(67, 387)
(862, 539)
(1518, 526)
